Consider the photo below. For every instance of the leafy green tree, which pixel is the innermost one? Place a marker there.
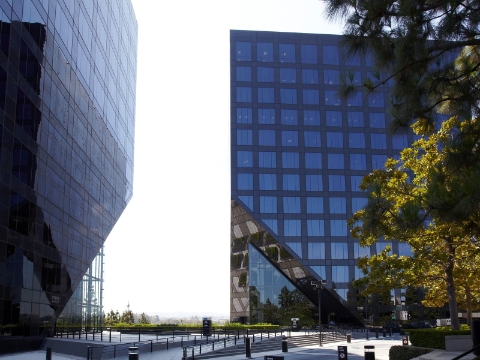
(428, 199)
(127, 317)
(143, 319)
(112, 318)
(417, 43)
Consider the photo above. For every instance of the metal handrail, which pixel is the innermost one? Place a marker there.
(466, 352)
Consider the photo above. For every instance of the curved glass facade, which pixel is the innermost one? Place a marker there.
(67, 106)
(298, 154)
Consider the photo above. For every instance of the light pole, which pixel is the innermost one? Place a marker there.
(319, 285)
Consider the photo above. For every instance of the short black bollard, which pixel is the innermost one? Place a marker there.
(369, 352)
(133, 353)
(405, 340)
(49, 354)
(284, 345)
(349, 337)
(391, 332)
(248, 347)
(376, 333)
(384, 331)
(342, 353)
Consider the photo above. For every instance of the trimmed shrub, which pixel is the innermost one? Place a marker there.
(398, 352)
(432, 338)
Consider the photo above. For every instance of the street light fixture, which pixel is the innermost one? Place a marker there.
(319, 286)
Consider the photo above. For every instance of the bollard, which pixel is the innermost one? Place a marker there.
(342, 353)
(349, 337)
(391, 329)
(133, 353)
(369, 352)
(376, 333)
(248, 348)
(49, 354)
(284, 345)
(405, 340)
(384, 331)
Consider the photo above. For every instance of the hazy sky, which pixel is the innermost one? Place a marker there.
(169, 252)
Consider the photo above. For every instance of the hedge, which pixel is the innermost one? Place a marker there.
(398, 352)
(431, 338)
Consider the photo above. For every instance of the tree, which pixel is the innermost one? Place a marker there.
(430, 200)
(112, 318)
(417, 43)
(143, 319)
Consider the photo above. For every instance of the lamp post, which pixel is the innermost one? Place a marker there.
(319, 285)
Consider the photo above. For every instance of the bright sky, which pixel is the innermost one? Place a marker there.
(169, 252)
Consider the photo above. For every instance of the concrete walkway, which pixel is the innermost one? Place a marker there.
(355, 351)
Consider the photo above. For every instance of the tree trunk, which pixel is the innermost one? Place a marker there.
(452, 298)
(468, 303)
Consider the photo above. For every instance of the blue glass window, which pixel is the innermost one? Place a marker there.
(265, 74)
(291, 182)
(358, 204)
(244, 137)
(268, 204)
(336, 183)
(358, 162)
(353, 60)
(314, 205)
(355, 118)
(265, 52)
(334, 140)
(335, 161)
(320, 270)
(244, 94)
(360, 251)
(244, 115)
(244, 73)
(266, 137)
(309, 76)
(316, 250)
(266, 95)
(266, 116)
(245, 181)
(339, 250)
(340, 274)
(316, 228)
(313, 160)
(355, 182)
(314, 182)
(311, 97)
(244, 159)
(247, 200)
(292, 228)
(296, 247)
(288, 96)
(375, 100)
(267, 159)
(378, 141)
(243, 51)
(377, 120)
(311, 117)
(355, 99)
(272, 224)
(404, 249)
(331, 98)
(287, 53)
(331, 77)
(312, 138)
(268, 181)
(333, 118)
(338, 205)
(289, 138)
(338, 227)
(309, 54)
(330, 55)
(380, 246)
(288, 75)
(356, 140)
(399, 141)
(290, 160)
(289, 117)
(378, 161)
(291, 205)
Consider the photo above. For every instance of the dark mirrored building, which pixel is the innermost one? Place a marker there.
(67, 106)
(298, 154)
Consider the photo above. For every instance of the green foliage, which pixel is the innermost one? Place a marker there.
(284, 254)
(143, 319)
(242, 279)
(256, 239)
(398, 352)
(245, 260)
(234, 261)
(432, 338)
(272, 252)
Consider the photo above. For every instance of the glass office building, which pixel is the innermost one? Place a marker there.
(298, 154)
(67, 106)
